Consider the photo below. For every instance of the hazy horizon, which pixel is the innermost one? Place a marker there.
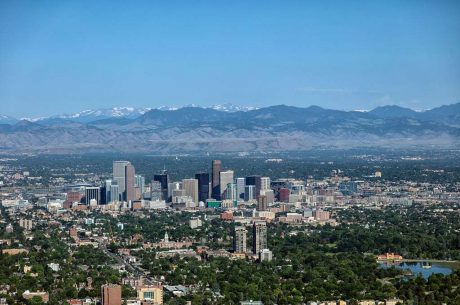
(174, 107)
(66, 57)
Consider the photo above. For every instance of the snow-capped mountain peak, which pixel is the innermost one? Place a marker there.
(166, 108)
(228, 107)
(106, 113)
(128, 112)
(219, 107)
(5, 119)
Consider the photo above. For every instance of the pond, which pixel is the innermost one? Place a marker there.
(423, 269)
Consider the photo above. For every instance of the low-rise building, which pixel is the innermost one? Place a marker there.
(389, 257)
(41, 294)
(14, 251)
(152, 293)
(195, 222)
(265, 255)
(55, 267)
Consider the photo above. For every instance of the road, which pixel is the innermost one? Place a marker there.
(128, 266)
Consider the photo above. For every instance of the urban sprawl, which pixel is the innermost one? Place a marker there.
(216, 238)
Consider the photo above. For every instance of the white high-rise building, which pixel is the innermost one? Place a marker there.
(264, 183)
(114, 193)
(173, 186)
(225, 178)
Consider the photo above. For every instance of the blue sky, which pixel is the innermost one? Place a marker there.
(67, 56)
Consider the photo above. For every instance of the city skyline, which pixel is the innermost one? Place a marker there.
(347, 219)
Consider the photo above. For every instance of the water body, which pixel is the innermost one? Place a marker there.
(416, 268)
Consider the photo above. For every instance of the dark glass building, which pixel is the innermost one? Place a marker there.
(216, 169)
(257, 182)
(163, 178)
(203, 186)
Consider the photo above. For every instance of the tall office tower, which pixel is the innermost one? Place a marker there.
(256, 181)
(129, 186)
(119, 176)
(172, 186)
(269, 194)
(249, 192)
(177, 196)
(240, 184)
(103, 194)
(264, 183)
(137, 193)
(239, 240)
(262, 203)
(216, 168)
(111, 294)
(114, 192)
(92, 192)
(234, 192)
(155, 191)
(203, 186)
(259, 237)
(226, 177)
(143, 184)
(230, 192)
(163, 178)
(190, 186)
(140, 182)
(108, 189)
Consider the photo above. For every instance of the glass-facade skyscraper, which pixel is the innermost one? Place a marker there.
(216, 169)
(123, 175)
(203, 186)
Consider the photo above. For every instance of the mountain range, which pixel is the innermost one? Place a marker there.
(87, 116)
(228, 128)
